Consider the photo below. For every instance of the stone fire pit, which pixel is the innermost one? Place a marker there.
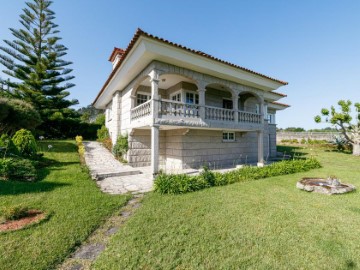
(327, 186)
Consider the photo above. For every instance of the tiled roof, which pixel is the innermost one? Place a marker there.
(115, 52)
(281, 104)
(140, 32)
(280, 94)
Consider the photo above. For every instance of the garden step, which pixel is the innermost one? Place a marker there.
(102, 176)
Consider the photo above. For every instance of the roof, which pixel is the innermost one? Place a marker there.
(281, 104)
(115, 52)
(140, 33)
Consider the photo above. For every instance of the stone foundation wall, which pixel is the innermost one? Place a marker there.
(193, 148)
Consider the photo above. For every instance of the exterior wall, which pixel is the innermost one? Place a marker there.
(194, 148)
(272, 140)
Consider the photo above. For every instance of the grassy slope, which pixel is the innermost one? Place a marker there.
(77, 205)
(264, 224)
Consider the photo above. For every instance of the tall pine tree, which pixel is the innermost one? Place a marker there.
(34, 60)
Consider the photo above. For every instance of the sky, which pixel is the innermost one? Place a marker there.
(313, 45)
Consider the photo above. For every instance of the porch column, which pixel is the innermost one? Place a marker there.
(262, 111)
(201, 91)
(154, 80)
(155, 149)
(260, 137)
(235, 101)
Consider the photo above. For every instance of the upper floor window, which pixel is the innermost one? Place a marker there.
(191, 98)
(142, 98)
(271, 118)
(176, 97)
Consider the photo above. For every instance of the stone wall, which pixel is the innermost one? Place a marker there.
(328, 136)
(193, 148)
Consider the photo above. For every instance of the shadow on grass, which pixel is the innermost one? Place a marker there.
(16, 187)
(291, 150)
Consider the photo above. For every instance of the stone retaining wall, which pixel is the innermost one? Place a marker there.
(328, 136)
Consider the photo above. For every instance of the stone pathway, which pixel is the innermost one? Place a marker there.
(87, 253)
(112, 176)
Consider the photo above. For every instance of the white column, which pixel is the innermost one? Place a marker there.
(235, 101)
(262, 111)
(260, 137)
(155, 149)
(201, 92)
(154, 80)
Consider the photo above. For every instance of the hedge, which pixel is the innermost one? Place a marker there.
(183, 183)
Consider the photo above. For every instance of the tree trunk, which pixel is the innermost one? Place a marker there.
(356, 149)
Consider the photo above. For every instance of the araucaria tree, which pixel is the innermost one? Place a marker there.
(342, 120)
(34, 61)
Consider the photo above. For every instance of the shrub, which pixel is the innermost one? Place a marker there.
(17, 169)
(100, 119)
(176, 184)
(102, 134)
(8, 146)
(16, 114)
(107, 143)
(25, 143)
(15, 212)
(121, 146)
(79, 140)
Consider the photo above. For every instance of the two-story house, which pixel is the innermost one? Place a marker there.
(183, 108)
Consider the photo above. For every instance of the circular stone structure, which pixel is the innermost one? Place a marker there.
(327, 186)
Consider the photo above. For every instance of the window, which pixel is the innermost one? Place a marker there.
(227, 104)
(228, 136)
(191, 98)
(109, 112)
(257, 108)
(271, 118)
(142, 98)
(176, 97)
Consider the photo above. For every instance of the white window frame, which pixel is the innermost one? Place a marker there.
(109, 112)
(271, 118)
(228, 135)
(148, 95)
(175, 94)
(195, 94)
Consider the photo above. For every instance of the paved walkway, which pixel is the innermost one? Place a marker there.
(112, 176)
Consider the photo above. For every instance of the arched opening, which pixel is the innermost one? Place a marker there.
(218, 95)
(249, 102)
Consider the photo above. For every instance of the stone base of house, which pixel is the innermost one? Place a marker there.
(193, 148)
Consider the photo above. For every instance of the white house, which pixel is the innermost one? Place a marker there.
(183, 108)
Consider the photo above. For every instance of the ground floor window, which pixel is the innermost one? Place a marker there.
(228, 136)
(142, 98)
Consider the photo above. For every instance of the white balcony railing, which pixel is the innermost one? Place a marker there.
(141, 110)
(249, 117)
(216, 113)
(176, 109)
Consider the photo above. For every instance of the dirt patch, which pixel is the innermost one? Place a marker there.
(33, 216)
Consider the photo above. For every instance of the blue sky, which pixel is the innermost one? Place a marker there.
(314, 45)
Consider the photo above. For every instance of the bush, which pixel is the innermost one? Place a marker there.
(15, 212)
(8, 146)
(102, 134)
(79, 140)
(16, 114)
(17, 169)
(176, 184)
(121, 147)
(107, 143)
(66, 128)
(25, 143)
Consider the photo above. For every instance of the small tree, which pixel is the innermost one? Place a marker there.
(342, 120)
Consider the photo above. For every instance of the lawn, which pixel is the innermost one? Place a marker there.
(263, 224)
(76, 205)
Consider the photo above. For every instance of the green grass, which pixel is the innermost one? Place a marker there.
(76, 205)
(263, 224)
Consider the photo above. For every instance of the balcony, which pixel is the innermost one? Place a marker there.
(173, 113)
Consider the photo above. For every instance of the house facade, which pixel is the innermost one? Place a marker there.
(183, 108)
